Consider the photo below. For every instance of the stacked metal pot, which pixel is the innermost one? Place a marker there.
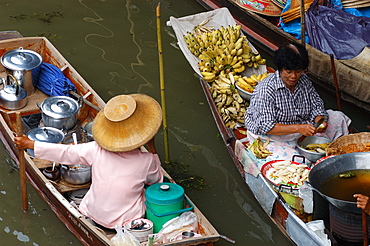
(18, 64)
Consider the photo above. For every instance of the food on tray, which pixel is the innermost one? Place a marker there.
(288, 173)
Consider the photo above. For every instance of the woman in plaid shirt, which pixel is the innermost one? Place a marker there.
(285, 105)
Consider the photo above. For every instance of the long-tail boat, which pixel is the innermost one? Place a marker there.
(56, 194)
(350, 76)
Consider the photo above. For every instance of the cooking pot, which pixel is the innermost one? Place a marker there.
(336, 165)
(12, 96)
(19, 63)
(45, 134)
(76, 174)
(60, 111)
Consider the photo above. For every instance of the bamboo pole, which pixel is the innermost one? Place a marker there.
(22, 166)
(161, 80)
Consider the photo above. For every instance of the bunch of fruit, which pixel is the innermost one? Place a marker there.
(258, 148)
(221, 51)
(230, 105)
(249, 83)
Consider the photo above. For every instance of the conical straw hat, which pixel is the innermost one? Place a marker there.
(125, 134)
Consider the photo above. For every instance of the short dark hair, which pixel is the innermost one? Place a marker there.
(291, 57)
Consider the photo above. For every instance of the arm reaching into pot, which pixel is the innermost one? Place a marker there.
(24, 142)
(363, 202)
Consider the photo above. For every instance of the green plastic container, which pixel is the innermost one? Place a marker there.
(164, 201)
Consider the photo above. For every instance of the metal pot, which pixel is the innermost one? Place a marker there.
(19, 63)
(336, 165)
(76, 174)
(60, 111)
(45, 134)
(12, 96)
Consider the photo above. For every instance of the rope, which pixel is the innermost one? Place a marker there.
(50, 80)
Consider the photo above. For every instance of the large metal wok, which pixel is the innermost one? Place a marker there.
(335, 165)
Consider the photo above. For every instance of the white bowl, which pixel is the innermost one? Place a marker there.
(244, 94)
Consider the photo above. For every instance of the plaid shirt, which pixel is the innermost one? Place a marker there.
(272, 102)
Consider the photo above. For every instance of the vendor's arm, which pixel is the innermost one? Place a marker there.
(281, 129)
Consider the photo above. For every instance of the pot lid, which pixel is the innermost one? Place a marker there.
(164, 193)
(59, 107)
(46, 134)
(21, 59)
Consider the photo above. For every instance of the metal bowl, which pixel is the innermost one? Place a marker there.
(76, 174)
(310, 155)
(244, 94)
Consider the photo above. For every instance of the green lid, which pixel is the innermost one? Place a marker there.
(164, 193)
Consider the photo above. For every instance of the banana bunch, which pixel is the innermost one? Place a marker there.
(230, 105)
(258, 148)
(221, 51)
(248, 84)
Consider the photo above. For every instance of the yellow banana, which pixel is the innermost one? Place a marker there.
(208, 74)
(239, 52)
(239, 69)
(234, 61)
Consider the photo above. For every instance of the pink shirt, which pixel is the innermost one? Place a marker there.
(116, 194)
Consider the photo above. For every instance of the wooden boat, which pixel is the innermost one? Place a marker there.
(263, 32)
(55, 193)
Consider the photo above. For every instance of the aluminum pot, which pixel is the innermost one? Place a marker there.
(45, 134)
(19, 63)
(336, 165)
(60, 111)
(76, 174)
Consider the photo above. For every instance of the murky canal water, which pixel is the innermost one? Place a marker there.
(113, 45)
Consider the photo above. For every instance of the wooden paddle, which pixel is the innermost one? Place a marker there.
(22, 166)
(161, 81)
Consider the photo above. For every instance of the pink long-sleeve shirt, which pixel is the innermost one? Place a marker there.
(116, 194)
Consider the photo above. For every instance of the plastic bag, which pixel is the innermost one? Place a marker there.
(124, 238)
(318, 227)
(173, 228)
(305, 193)
(336, 32)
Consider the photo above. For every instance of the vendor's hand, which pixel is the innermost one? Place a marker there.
(24, 142)
(307, 129)
(363, 202)
(323, 128)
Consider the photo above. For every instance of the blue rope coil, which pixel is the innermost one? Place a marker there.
(50, 80)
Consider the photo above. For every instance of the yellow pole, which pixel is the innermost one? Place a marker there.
(161, 80)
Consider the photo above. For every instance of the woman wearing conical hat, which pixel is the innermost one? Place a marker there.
(119, 168)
